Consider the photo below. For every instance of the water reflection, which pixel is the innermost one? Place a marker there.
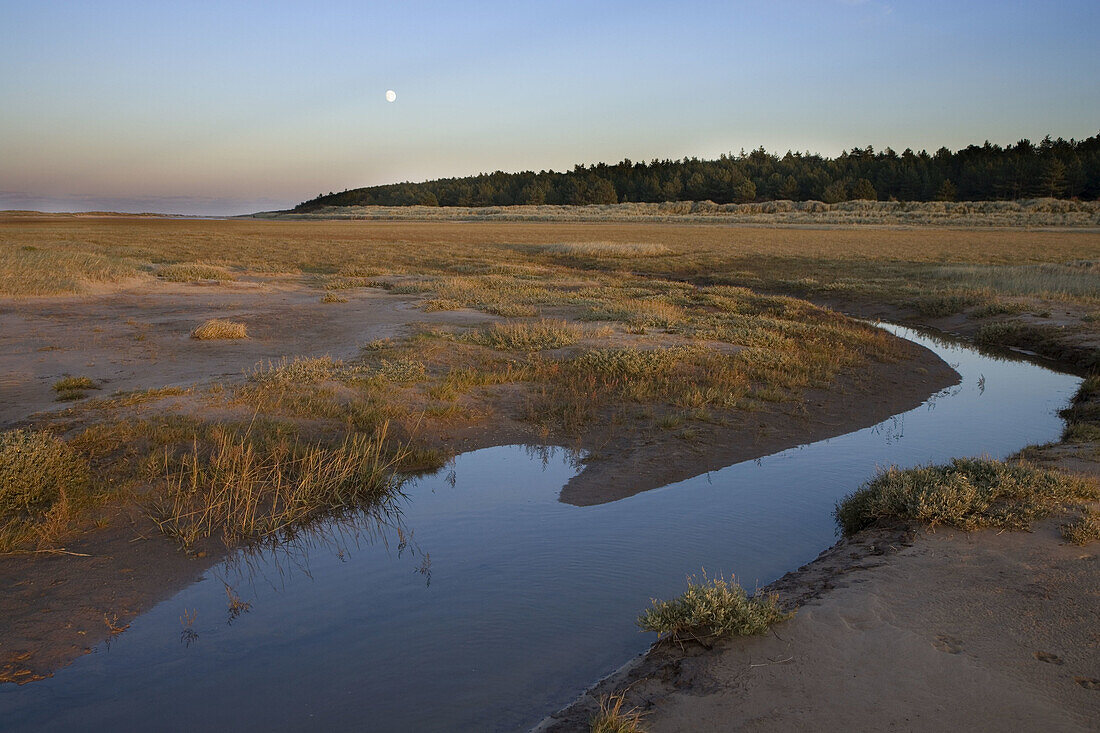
(479, 601)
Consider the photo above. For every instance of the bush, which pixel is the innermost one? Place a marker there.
(968, 494)
(713, 608)
(36, 470)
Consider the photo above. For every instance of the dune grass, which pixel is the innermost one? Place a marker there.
(968, 494)
(712, 608)
(218, 328)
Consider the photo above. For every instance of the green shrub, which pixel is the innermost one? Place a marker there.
(713, 608)
(967, 493)
(36, 469)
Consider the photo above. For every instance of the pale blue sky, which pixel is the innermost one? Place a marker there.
(228, 107)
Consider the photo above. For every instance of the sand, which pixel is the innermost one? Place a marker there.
(938, 631)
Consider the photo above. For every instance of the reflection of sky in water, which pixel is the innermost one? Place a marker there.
(487, 603)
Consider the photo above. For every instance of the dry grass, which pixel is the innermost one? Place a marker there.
(968, 494)
(192, 272)
(32, 271)
(217, 328)
(606, 249)
(684, 326)
(299, 370)
(713, 608)
(331, 297)
(611, 717)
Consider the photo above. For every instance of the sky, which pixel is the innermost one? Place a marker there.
(232, 107)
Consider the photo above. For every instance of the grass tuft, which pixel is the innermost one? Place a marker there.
(713, 608)
(611, 717)
(74, 383)
(1084, 529)
(967, 494)
(217, 328)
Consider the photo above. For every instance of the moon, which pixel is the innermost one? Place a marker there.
(391, 95)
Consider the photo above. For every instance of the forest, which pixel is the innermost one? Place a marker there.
(1054, 168)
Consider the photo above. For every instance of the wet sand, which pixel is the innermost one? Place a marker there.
(56, 607)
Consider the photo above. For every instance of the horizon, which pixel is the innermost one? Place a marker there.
(223, 111)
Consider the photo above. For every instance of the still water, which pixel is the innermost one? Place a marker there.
(486, 604)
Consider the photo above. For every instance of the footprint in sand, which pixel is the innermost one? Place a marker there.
(1089, 683)
(1049, 658)
(948, 644)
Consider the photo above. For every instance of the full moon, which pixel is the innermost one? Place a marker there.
(391, 95)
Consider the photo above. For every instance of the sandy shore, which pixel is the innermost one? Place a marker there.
(895, 631)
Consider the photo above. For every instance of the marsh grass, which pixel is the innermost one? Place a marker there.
(606, 249)
(185, 272)
(52, 271)
(217, 328)
(250, 491)
(611, 718)
(331, 297)
(1049, 280)
(528, 336)
(41, 480)
(713, 608)
(968, 494)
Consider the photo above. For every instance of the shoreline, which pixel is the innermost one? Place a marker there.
(977, 656)
(667, 682)
(59, 607)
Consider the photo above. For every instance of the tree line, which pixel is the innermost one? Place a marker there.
(1053, 168)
